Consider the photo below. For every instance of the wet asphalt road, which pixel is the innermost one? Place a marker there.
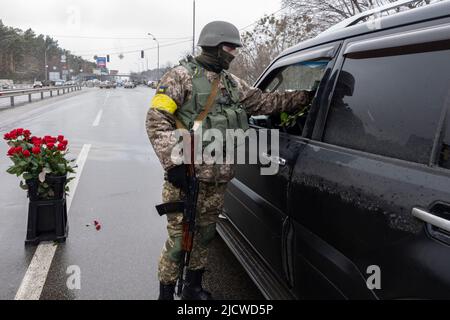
(119, 186)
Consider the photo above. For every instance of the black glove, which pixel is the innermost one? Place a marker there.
(177, 176)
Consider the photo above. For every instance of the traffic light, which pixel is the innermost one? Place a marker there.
(107, 58)
(142, 54)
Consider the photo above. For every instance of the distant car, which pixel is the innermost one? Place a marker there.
(37, 84)
(6, 84)
(153, 84)
(59, 83)
(129, 85)
(108, 85)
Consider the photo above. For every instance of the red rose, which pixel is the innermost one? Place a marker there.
(36, 141)
(11, 152)
(65, 142)
(48, 139)
(19, 131)
(27, 134)
(61, 147)
(7, 136)
(26, 153)
(36, 150)
(60, 138)
(18, 150)
(13, 135)
(50, 145)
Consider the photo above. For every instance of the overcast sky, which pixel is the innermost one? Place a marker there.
(81, 25)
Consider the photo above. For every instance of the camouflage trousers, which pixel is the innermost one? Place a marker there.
(209, 207)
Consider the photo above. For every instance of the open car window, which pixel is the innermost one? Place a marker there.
(300, 76)
(305, 75)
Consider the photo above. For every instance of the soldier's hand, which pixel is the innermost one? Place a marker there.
(177, 176)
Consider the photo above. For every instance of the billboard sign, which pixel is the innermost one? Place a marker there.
(101, 62)
(53, 76)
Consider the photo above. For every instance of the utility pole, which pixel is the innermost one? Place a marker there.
(193, 31)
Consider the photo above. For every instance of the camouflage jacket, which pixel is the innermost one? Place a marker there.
(177, 84)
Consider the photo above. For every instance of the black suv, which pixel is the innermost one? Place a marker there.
(360, 207)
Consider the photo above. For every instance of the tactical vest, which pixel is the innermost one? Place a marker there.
(226, 113)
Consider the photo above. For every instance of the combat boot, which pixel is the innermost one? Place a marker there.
(166, 292)
(193, 289)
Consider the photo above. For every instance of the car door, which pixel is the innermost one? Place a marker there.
(256, 203)
(371, 191)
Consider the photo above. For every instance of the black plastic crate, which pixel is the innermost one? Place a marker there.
(47, 221)
(56, 183)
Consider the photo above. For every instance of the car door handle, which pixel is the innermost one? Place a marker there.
(273, 159)
(432, 219)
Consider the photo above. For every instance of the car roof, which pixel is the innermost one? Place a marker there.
(349, 27)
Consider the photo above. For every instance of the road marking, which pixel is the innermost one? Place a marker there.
(100, 113)
(97, 120)
(36, 275)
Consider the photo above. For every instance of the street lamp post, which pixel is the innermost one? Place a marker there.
(193, 31)
(157, 42)
(46, 63)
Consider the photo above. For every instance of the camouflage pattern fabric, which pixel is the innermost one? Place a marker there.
(210, 205)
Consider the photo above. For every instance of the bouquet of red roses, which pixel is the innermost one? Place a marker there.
(37, 158)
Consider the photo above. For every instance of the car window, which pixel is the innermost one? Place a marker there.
(390, 106)
(300, 76)
(295, 77)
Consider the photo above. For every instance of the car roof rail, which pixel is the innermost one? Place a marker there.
(358, 17)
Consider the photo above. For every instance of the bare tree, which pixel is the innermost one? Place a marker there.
(270, 37)
(330, 12)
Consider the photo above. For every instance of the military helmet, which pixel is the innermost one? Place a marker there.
(217, 32)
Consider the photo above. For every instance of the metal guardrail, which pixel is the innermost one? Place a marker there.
(23, 92)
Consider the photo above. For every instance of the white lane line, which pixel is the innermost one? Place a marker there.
(73, 185)
(36, 275)
(97, 120)
(106, 98)
(100, 113)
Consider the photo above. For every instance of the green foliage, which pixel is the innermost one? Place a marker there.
(288, 121)
(22, 55)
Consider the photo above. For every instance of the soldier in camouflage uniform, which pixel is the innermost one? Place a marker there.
(176, 95)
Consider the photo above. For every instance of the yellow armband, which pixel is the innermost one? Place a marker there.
(165, 103)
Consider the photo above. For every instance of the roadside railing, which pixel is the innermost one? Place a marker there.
(23, 92)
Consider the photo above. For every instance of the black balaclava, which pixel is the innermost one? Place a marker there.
(215, 59)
